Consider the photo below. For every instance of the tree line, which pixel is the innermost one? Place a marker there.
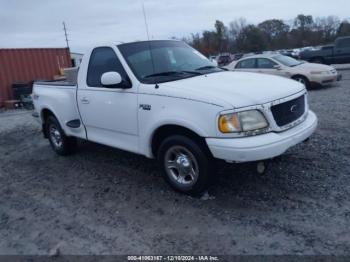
(273, 34)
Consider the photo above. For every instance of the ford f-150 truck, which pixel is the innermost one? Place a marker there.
(164, 100)
(339, 53)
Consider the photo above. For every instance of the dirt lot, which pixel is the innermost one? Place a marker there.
(105, 201)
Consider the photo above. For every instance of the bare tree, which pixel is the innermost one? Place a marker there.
(271, 34)
(327, 28)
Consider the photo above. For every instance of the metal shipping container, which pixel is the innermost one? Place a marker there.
(28, 64)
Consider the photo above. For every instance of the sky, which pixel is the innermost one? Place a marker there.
(38, 23)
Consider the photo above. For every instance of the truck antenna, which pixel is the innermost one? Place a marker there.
(145, 18)
(65, 33)
(149, 43)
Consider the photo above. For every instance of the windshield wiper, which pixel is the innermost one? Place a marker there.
(191, 72)
(206, 67)
(170, 73)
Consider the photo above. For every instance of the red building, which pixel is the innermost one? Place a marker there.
(29, 64)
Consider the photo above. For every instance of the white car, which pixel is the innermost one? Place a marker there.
(165, 100)
(213, 60)
(275, 64)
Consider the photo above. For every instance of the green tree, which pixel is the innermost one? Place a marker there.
(344, 29)
(251, 39)
(302, 32)
(303, 22)
(221, 35)
(209, 43)
(235, 27)
(276, 32)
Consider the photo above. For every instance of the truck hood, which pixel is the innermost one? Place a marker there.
(233, 89)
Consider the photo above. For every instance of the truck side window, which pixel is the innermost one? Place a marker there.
(102, 60)
(344, 43)
(248, 63)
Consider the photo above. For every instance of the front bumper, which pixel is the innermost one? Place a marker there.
(261, 147)
(325, 80)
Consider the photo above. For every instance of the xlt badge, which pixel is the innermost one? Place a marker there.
(145, 107)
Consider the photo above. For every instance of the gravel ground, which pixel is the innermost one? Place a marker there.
(105, 201)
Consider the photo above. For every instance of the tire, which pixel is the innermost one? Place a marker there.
(186, 165)
(303, 80)
(60, 143)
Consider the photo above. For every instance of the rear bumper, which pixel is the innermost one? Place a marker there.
(262, 146)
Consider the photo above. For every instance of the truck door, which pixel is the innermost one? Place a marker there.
(108, 114)
(342, 51)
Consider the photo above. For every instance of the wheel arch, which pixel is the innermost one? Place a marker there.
(44, 114)
(300, 75)
(167, 130)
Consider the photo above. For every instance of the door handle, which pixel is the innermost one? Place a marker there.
(84, 100)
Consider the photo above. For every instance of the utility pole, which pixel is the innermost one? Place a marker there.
(65, 34)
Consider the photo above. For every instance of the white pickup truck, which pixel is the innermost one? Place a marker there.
(165, 100)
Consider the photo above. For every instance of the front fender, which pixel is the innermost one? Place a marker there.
(185, 123)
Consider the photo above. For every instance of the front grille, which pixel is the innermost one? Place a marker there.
(289, 111)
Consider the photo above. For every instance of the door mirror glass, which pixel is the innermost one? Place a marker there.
(278, 67)
(111, 79)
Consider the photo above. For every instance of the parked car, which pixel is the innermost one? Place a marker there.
(224, 59)
(339, 53)
(213, 60)
(307, 73)
(175, 106)
(237, 56)
(287, 53)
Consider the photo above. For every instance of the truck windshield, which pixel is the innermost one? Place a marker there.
(287, 61)
(163, 61)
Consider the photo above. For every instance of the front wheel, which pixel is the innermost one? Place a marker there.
(60, 143)
(303, 80)
(186, 164)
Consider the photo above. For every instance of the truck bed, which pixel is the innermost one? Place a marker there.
(71, 75)
(59, 98)
(55, 83)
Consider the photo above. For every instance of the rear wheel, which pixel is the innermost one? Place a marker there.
(303, 80)
(185, 164)
(60, 143)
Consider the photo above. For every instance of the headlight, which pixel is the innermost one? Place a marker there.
(242, 121)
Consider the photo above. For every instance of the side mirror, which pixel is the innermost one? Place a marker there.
(278, 67)
(111, 79)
